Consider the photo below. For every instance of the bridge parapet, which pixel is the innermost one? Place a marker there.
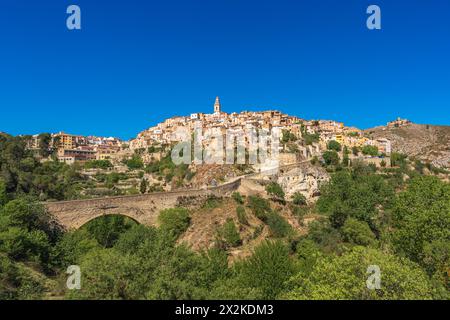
(141, 208)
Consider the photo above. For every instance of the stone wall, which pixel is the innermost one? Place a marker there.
(141, 208)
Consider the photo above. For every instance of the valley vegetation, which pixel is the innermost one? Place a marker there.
(396, 218)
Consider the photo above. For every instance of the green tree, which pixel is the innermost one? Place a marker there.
(275, 190)
(143, 186)
(3, 194)
(44, 144)
(360, 195)
(108, 274)
(259, 206)
(107, 229)
(174, 220)
(421, 216)
(357, 232)
(398, 159)
(345, 277)
(370, 150)
(331, 158)
(345, 160)
(135, 162)
(98, 164)
(267, 269)
(334, 145)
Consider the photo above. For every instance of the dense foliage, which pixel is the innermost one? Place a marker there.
(363, 218)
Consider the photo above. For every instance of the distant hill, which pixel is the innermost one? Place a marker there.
(426, 142)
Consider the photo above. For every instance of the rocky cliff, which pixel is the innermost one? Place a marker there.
(307, 180)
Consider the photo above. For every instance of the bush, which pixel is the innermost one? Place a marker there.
(242, 216)
(174, 220)
(107, 229)
(370, 150)
(227, 235)
(275, 190)
(144, 185)
(334, 145)
(278, 226)
(298, 199)
(331, 158)
(135, 162)
(238, 197)
(311, 138)
(267, 269)
(259, 206)
(299, 212)
(98, 164)
(345, 277)
(357, 232)
(212, 202)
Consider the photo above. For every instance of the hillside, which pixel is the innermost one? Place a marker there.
(425, 142)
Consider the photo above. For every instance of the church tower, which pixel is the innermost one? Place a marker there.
(217, 108)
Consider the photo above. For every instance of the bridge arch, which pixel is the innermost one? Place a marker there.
(142, 208)
(82, 223)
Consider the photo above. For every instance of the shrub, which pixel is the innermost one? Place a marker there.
(357, 232)
(278, 226)
(212, 202)
(275, 189)
(143, 186)
(135, 162)
(98, 164)
(228, 235)
(334, 145)
(370, 150)
(267, 269)
(330, 158)
(238, 197)
(259, 206)
(242, 216)
(174, 220)
(298, 199)
(311, 138)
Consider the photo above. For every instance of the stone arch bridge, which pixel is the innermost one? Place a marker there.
(141, 208)
(145, 208)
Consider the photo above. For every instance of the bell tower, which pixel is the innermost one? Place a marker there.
(217, 108)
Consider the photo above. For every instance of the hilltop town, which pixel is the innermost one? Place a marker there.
(144, 164)
(336, 188)
(314, 135)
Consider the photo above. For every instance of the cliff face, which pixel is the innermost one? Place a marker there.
(425, 142)
(306, 180)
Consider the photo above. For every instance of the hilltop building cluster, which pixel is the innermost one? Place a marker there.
(71, 148)
(164, 133)
(397, 123)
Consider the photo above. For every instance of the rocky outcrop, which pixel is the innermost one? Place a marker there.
(307, 180)
(425, 142)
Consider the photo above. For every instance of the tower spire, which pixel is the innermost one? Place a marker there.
(217, 107)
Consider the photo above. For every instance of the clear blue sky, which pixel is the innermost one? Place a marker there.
(135, 63)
